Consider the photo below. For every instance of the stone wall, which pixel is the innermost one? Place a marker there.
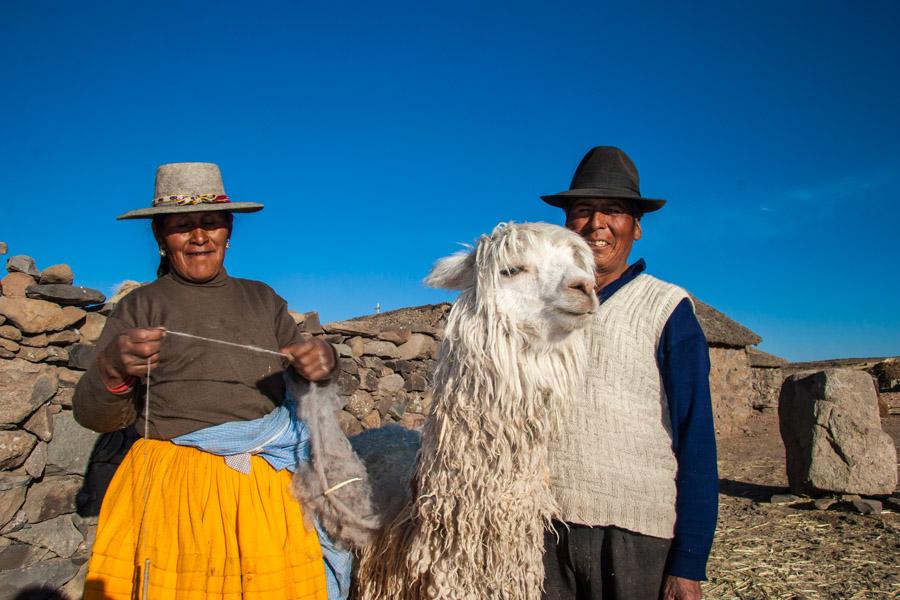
(386, 364)
(731, 385)
(47, 513)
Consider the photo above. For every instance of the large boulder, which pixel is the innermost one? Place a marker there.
(57, 274)
(23, 264)
(10, 333)
(36, 462)
(38, 316)
(52, 497)
(81, 356)
(52, 574)
(41, 340)
(832, 434)
(72, 445)
(417, 346)
(380, 348)
(15, 284)
(50, 354)
(40, 424)
(93, 326)
(18, 556)
(15, 446)
(13, 489)
(60, 293)
(9, 346)
(59, 535)
(389, 454)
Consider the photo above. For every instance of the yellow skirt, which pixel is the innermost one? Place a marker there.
(208, 531)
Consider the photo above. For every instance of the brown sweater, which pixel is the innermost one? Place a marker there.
(197, 384)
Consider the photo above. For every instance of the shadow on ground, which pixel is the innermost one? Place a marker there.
(750, 491)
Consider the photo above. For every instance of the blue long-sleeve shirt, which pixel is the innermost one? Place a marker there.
(683, 360)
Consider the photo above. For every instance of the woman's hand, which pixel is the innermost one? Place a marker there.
(312, 358)
(126, 356)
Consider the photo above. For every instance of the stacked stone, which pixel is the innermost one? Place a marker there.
(46, 327)
(385, 372)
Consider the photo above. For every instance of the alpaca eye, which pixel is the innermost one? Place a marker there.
(511, 271)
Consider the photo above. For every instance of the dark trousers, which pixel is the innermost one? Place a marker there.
(602, 563)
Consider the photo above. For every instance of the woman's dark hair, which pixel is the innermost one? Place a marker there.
(164, 267)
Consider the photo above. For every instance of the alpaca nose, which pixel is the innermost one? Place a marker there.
(584, 286)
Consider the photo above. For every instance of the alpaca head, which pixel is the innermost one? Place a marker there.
(532, 279)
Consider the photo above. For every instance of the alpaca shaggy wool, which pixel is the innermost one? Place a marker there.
(511, 355)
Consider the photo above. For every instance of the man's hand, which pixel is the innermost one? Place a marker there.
(126, 356)
(312, 358)
(679, 588)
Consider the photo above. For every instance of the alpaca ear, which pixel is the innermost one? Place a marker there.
(456, 272)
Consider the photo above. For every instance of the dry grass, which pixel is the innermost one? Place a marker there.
(796, 552)
(763, 550)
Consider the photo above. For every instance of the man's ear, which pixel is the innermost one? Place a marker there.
(637, 229)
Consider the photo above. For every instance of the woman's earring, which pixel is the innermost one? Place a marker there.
(227, 244)
(162, 252)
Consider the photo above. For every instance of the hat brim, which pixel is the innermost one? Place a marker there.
(149, 213)
(563, 199)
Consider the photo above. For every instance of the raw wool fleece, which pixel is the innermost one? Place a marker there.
(346, 512)
(481, 497)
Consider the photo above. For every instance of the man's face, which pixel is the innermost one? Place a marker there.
(609, 227)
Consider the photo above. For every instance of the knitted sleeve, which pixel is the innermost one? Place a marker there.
(93, 406)
(683, 358)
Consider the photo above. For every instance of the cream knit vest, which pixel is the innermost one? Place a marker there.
(612, 463)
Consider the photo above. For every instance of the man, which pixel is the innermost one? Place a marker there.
(634, 469)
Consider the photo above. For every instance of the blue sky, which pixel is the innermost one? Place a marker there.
(380, 135)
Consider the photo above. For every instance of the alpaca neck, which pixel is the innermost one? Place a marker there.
(494, 378)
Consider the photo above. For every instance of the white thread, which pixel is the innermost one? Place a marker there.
(145, 588)
(338, 486)
(223, 342)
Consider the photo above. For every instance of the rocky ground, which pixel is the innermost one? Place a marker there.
(795, 550)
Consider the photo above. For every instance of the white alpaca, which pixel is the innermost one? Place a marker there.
(512, 354)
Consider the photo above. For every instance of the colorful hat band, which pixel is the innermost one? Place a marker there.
(189, 200)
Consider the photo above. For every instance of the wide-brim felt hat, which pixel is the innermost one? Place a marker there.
(189, 187)
(605, 172)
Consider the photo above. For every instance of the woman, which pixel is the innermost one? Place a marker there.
(178, 522)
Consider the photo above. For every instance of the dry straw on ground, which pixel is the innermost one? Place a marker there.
(794, 551)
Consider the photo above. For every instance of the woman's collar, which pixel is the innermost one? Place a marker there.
(218, 281)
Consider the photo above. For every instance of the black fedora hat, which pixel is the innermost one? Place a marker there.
(605, 172)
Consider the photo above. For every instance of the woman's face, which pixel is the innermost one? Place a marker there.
(195, 243)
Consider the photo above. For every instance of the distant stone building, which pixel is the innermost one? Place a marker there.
(731, 376)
